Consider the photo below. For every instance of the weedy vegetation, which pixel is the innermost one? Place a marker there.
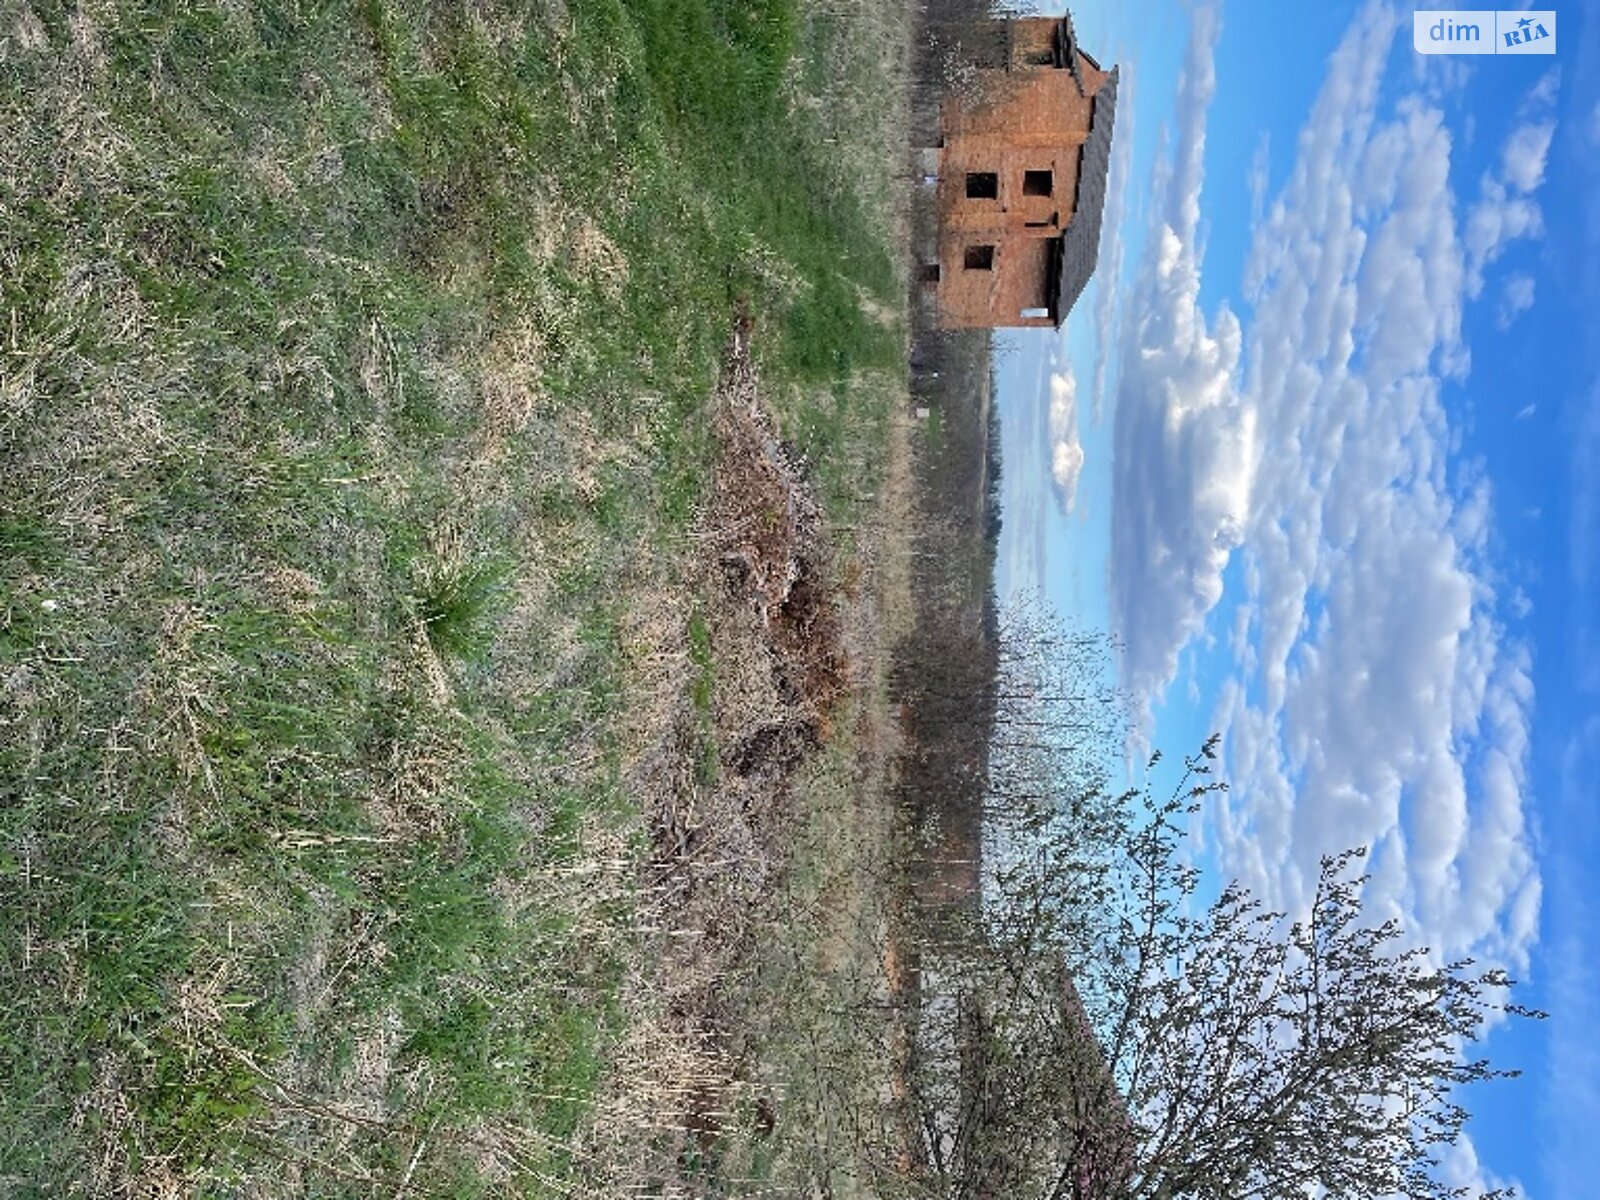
(354, 363)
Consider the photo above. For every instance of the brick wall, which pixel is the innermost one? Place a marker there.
(1029, 120)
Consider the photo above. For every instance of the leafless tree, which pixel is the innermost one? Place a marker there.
(1095, 1032)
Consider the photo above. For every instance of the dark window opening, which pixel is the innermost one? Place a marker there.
(930, 272)
(979, 258)
(1036, 183)
(983, 185)
(1042, 58)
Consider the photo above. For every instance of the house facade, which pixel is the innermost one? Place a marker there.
(1021, 179)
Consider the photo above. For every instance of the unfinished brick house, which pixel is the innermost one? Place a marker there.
(1021, 176)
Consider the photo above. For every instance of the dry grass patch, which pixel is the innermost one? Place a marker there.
(763, 923)
(353, 391)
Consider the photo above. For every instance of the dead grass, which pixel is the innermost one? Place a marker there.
(715, 787)
(301, 325)
(757, 1027)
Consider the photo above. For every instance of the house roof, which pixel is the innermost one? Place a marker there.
(1067, 50)
(1080, 242)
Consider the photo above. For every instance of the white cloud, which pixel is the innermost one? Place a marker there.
(1183, 445)
(1543, 94)
(1504, 211)
(1256, 179)
(1459, 1167)
(1497, 219)
(1523, 159)
(1516, 298)
(1397, 713)
(1066, 450)
(1112, 245)
(1441, 76)
(1376, 700)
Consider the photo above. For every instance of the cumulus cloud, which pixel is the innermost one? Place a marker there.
(1499, 218)
(1183, 445)
(1375, 698)
(1523, 159)
(1393, 707)
(1505, 210)
(1516, 298)
(1066, 450)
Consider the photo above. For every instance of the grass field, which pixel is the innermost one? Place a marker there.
(353, 369)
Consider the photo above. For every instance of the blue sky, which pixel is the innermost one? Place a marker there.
(1321, 446)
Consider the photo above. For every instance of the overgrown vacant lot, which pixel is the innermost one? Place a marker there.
(356, 444)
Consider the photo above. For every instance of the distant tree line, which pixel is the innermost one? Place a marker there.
(944, 673)
(954, 38)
